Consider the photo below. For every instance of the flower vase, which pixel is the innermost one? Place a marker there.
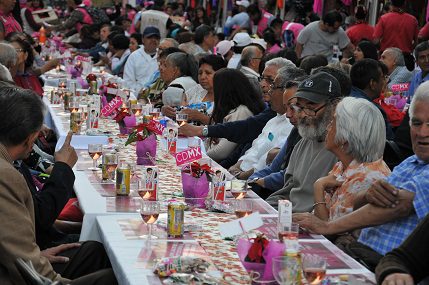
(273, 249)
(195, 189)
(146, 151)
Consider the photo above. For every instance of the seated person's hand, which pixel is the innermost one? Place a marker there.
(52, 253)
(328, 183)
(271, 155)
(311, 223)
(51, 64)
(244, 175)
(189, 130)
(45, 130)
(67, 153)
(382, 194)
(168, 111)
(398, 279)
(235, 169)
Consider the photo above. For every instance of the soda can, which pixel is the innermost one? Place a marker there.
(176, 219)
(66, 100)
(75, 122)
(123, 176)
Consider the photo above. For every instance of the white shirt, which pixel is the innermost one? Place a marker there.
(139, 68)
(273, 135)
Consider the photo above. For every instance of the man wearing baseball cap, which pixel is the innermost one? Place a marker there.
(142, 63)
(316, 99)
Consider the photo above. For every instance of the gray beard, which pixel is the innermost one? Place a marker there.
(313, 129)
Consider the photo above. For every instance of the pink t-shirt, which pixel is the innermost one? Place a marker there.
(9, 23)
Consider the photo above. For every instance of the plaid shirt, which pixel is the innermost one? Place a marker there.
(411, 175)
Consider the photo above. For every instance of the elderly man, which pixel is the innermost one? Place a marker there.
(396, 205)
(142, 63)
(275, 132)
(244, 131)
(21, 112)
(316, 100)
(250, 59)
(8, 57)
(396, 69)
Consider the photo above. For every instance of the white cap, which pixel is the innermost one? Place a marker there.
(260, 42)
(242, 39)
(223, 47)
(243, 3)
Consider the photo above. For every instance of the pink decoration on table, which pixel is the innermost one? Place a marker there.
(146, 151)
(188, 155)
(195, 189)
(82, 82)
(273, 249)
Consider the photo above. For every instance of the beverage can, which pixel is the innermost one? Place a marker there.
(176, 219)
(123, 176)
(66, 100)
(293, 269)
(93, 87)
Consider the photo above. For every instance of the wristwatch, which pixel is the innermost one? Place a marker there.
(205, 132)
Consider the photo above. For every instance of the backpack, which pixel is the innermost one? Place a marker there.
(98, 15)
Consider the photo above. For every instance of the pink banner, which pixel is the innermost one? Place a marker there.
(158, 128)
(188, 155)
(111, 106)
(400, 87)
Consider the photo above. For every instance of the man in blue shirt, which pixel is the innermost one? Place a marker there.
(421, 53)
(397, 205)
(240, 20)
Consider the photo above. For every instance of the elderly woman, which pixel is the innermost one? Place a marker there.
(180, 73)
(357, 137)
(203, 92)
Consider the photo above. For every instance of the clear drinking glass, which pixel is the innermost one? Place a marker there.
(314, 268)
(136, 109)
(242, 208)
(146, 192)
(95, 151)
(286, 270)
(239, 188)
(149, 211)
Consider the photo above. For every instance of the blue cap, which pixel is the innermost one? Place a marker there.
(151, 31)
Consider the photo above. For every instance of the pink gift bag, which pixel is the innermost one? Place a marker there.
(195, 189)
(146, 151)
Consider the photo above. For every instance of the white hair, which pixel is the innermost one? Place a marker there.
(280, 62)
(4, 73)
(361, 125)
(398, 55)
(421, 94)
(8, 54)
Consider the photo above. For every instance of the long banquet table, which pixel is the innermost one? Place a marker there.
(114, 221)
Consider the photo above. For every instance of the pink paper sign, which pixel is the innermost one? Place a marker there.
(111, 106)
(83, 58)
(400, 87)
(158, 128)
(188, 155)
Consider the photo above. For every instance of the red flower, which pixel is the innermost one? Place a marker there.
(91, 77)
(260, 243)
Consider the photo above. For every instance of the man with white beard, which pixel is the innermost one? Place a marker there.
(317, 97)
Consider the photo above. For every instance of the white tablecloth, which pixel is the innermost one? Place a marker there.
(59, 120)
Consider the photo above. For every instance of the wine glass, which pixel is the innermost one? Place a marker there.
(286, 270)
(136, 109)
(146, 192)
(95, 151)
(242, 208)
(238, 188)
(149, 211)
(314, 268)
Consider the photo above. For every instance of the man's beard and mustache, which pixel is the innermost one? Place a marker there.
(314, 128)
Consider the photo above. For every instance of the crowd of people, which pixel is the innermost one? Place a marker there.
(333, 119)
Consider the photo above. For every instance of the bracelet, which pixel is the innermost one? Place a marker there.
(318, 203)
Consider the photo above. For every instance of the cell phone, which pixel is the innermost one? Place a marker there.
(252, 181)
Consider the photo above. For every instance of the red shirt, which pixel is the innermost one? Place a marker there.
(424, 32)
(397, 30)
(29, 81)
(359, 32)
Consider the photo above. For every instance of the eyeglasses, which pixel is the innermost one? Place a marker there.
(269, 80)
(274, 87)
(307, 111)
(19, 50)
